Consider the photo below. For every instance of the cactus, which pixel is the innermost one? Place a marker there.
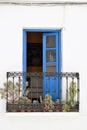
(48, 103)
(24, 100)
(66, 108)
(72, 94)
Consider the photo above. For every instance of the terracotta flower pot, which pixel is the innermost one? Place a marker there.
(22, 110)
(57, 110)
(34, 110)
(29, 110)
(14, 110)
(74, 110)
(50, 110)
(64, 111)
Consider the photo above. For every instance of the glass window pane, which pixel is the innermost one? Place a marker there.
(51, 56)
(51, 42)
(51, 68)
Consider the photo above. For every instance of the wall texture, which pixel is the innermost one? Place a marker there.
(19, 1)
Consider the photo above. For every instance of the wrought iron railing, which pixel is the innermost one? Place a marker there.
(26, 92)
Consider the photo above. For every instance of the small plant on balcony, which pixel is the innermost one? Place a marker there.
(24, 100)
(66, 107)
(72, 102)
(72, 94)
(11, 91)
(48, 103)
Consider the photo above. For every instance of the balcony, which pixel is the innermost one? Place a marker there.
(42, 92)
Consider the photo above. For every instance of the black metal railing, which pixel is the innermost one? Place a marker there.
(28, 91)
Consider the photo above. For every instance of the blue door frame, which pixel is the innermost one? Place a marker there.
(25, 31)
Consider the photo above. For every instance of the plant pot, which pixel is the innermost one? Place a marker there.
(35, 110)
(28, 110)
(13, 110)
(22, 110)
(50, 110)
(74, 110)
(57, 110)
(64, 111)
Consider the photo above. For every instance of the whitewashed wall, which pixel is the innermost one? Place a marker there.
(19, 1)
(73, 21)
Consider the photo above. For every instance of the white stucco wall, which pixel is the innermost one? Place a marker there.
(73, 21)
(43, 1)
(13, 21)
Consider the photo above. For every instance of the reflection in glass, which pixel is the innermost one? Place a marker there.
(50, 42)
(50, 56)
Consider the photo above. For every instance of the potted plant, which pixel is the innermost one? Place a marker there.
(57, 105)
(10, 93)
(48, 103)
(24, 103)
(66, 107)
(72, 95)
(71, 104)
(35, 105)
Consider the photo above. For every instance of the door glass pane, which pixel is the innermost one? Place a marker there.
(51, 42)
(51, 56)
(51, 68)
